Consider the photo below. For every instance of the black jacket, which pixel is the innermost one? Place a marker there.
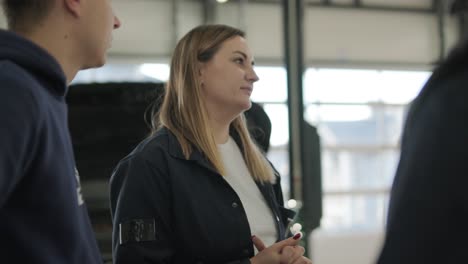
(42, 215)
(167, 209)
(428, 214)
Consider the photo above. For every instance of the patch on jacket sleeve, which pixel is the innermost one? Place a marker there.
(137, 230)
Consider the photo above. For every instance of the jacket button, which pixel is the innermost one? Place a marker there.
(246, 252)
(234, 205)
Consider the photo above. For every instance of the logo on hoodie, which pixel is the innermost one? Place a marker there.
(78, 188)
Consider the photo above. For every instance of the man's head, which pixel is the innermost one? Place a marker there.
(77, 33)
(21, 14)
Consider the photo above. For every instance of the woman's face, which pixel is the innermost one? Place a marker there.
(227, 79)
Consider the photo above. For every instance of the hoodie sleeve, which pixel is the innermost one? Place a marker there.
(19, 114)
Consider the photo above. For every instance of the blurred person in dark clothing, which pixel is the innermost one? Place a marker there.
(259, 126)
(428, 213)
(43, 218)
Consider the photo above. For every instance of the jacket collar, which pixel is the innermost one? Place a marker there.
(175, 149)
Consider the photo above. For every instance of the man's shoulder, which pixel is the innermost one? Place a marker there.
(446, 91)
(19, 93)
(450, 92)
(15, 77)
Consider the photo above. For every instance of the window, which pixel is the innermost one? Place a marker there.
(125, 72)
(359, 115)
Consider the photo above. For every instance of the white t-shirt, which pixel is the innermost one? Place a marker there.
(238, 176)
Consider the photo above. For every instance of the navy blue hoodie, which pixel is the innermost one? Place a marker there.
(428, 211)
(42, 215)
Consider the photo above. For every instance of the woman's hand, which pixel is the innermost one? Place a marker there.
(294, 255)
(283, 252)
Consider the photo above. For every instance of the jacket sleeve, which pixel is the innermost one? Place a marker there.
(140, 206)
(140, 196)
(19, 114)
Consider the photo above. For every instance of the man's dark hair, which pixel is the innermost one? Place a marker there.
(22, 14)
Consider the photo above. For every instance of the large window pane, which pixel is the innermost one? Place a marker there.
(362, 86)
(125, 72)
(364, 211)
(358, 169)
(357, 125)
(279, 156)
(359, 115)
(340, 86)
(278, 114)
(272, 85)
(399, 87)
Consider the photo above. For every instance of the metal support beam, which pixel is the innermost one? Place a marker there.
(175, 22)
(440, 9)
(209, 11)
(242, 24)
(293, 38)
(459, 8)
(434, 5)
(294, 66)
(361, 6)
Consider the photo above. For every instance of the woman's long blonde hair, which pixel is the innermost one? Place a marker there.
(183, 110)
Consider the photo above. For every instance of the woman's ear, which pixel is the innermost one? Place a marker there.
(201, 71)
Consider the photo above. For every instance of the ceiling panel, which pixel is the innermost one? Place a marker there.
(343, 2)
(425, 4)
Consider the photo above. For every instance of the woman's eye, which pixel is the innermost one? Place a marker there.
(239, 60)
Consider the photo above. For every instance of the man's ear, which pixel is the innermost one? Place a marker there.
(74, 6)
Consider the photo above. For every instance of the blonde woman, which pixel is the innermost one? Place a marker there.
(198, 190)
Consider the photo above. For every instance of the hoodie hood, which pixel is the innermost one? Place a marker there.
(34, 59)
